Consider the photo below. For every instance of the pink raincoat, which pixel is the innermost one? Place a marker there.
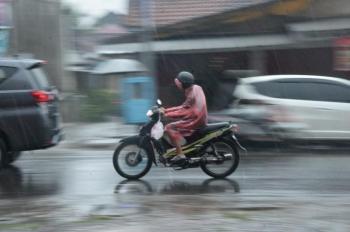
(190, 116)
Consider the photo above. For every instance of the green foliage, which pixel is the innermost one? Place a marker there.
(98, 105)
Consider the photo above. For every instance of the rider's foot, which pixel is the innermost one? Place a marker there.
(178, 158)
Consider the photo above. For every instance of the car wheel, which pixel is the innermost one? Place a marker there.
(3, 154)
(12, 156)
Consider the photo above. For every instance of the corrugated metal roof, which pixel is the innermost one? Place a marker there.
(166, 12)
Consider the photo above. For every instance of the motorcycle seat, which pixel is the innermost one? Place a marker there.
(212, 127)
(206, 130)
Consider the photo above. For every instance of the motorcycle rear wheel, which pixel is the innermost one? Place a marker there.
(217, 170)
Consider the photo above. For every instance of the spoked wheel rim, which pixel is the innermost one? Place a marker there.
(226, 155)
(132, 161)
(1, 156)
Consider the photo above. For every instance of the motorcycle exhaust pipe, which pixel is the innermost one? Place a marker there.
(228, 156)
(215, 159)
(196, 160)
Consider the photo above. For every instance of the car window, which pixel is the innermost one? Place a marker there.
(300, 90)
(6, 72)
(268, 88)
(333, 92)
(40, 78)
(11, 79)
(312, 91)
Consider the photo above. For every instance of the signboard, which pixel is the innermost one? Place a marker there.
(5, 25)
(342, 54)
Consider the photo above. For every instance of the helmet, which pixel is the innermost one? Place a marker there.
(186, 79)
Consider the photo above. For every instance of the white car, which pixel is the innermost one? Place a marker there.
(298, 106)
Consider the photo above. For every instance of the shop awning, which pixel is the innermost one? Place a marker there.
(321, 25)
(198, 45)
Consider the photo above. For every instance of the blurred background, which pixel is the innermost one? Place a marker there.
(110, 60)
(280, 69)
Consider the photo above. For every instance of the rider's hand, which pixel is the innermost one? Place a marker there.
(162, 110)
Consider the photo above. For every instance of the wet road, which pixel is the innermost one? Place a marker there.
(76, 190)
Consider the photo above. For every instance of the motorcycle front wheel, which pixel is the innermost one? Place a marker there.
(131, 161)
(227, 151)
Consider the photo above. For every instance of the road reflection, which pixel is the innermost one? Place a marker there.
(208, 186)
(13, 184)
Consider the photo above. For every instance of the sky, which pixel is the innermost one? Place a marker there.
(96, 8)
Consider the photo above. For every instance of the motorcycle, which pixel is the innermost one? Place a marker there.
(214, 148)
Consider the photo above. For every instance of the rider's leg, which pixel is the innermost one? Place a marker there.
(177, 143)
(176, 138)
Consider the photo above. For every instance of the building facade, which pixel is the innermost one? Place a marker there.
(37, 30)
(271, 37)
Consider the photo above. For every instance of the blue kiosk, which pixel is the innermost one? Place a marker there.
(138, 95)
(136, 90)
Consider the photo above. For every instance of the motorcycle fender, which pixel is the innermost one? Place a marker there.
(144, 142)
(235, 140)
(130, 139)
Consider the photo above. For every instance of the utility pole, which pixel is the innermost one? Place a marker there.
(147, 54)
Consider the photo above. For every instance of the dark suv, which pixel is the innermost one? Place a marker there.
(29, 115)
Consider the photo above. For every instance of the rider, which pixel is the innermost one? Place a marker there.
(189, 116)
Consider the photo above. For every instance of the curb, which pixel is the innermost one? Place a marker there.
(92, 144)
(108, 142)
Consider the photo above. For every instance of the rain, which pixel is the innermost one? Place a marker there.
(192, 115)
